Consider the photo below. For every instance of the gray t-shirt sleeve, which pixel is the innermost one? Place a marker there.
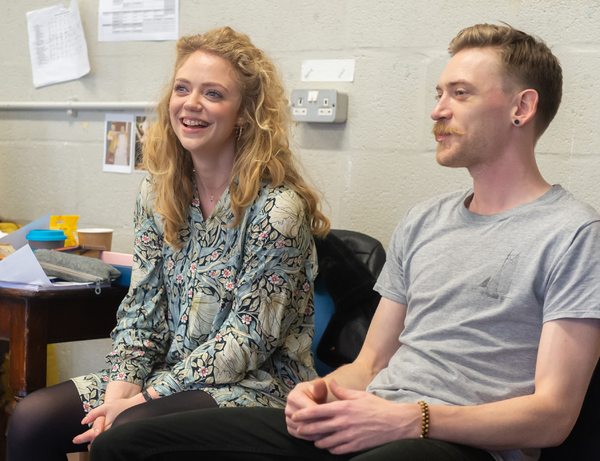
(573, 285)
(390, 283)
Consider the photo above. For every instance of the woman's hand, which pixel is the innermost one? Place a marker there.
(304, 395)
(103, 416)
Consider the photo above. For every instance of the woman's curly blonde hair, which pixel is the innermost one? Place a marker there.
(263, 150)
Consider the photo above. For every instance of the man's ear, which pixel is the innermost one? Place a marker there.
(526, 106)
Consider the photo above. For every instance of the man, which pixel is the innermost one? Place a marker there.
(488, 330)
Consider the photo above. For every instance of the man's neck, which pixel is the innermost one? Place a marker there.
(506, 184)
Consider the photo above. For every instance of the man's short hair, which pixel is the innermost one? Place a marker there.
(527, 61)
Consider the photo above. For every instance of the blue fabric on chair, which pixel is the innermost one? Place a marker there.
(324, 309)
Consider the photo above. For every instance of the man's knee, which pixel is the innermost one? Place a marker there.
(126, 416)
(114, 444)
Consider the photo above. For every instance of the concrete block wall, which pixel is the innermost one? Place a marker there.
(370, 169)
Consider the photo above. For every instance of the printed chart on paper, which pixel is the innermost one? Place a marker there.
(57, 44)
(130, 20)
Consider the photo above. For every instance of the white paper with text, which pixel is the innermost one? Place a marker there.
(57, 45)
(131, 20)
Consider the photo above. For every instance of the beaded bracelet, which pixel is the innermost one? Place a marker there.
(425, 423)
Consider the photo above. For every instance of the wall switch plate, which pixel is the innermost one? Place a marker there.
(319, 106)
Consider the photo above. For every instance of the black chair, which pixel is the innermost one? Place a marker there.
(583, 444)
(345, 302)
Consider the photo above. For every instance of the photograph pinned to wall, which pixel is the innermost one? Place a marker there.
(118, 143)
(142, 124)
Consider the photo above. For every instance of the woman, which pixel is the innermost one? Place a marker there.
(220, 310)
(122, 153)
(112, 145)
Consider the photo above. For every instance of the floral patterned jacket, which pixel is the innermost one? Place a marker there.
(230, 313)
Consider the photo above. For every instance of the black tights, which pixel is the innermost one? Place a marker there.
(44, 424)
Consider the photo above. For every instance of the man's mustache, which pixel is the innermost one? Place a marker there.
(440, 128)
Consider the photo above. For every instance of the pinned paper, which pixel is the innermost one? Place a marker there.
(57, 45)
(119, 144)
(138, 20)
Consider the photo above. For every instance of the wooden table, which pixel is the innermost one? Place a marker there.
(31, 320)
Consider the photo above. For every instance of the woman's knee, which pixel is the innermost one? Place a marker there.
(46, 414)
(27, 421)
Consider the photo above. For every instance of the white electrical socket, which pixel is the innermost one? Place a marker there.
(319, 106)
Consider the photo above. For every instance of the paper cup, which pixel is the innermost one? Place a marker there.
(101, 237)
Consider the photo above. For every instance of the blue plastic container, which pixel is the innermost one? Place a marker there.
(46, 239)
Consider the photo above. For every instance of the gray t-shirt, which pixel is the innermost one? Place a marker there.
(478, 290)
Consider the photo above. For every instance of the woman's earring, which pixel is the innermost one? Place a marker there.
(516, 122)
(240, 130)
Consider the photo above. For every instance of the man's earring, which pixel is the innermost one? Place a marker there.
(516, 122)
